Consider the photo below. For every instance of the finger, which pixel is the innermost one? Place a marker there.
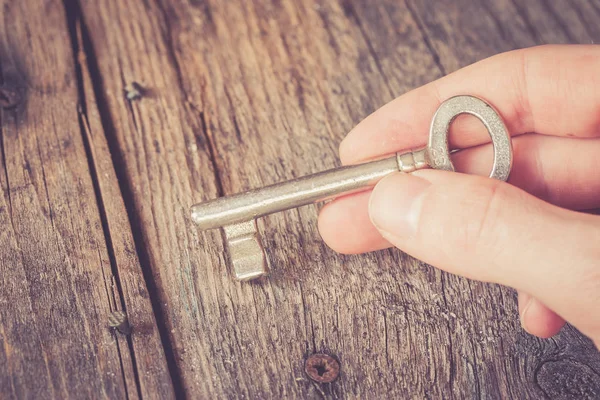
(497, 233)
(345, 226)
(551, 90)
(561, 171)
(537, 319)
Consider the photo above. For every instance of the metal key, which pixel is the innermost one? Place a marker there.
(237, 214)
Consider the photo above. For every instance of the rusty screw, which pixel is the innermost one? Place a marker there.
(118, 320)
(134, 91)
(322, 368)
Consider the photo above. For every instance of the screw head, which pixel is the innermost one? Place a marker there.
(322, 368)
(118, 320)
(134, 91)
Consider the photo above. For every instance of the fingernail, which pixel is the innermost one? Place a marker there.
(395, 204)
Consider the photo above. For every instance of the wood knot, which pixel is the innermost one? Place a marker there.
(568, 379)
(322, 368)
(10, 95)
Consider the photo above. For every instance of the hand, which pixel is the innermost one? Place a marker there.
(524, 233)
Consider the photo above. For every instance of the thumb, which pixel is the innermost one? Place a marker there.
(488, 230)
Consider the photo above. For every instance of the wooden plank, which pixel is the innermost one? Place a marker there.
(151, 365)
(165, 165)
(60, 278)
(239, 94)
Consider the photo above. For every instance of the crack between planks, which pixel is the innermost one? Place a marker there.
(206, 132)
(204, 125)
(109, 293)
(81, 42)
(415, 16)
(73, 16)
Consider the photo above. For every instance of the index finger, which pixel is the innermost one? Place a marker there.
(552, 90)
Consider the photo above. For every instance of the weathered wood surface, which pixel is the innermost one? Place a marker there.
(67, 256)
(97, 189)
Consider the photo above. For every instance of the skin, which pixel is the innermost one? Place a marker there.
(528, 233)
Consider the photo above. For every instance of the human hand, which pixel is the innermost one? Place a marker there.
(525, 233)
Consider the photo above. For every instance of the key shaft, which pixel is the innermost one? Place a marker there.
(301, 191)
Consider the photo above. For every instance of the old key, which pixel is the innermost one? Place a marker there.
(237, 214)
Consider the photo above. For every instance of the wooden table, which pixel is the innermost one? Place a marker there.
(97, 183)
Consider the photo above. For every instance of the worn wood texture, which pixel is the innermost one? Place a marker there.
(67, 257)
(238, 94)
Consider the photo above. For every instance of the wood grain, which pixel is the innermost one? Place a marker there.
(235, 95)
(61, 274)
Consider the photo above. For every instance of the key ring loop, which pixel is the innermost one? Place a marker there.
(437, 150)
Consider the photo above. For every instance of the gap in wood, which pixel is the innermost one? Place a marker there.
(75, 20)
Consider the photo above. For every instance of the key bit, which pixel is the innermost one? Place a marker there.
(237, 213)
(246, 250)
